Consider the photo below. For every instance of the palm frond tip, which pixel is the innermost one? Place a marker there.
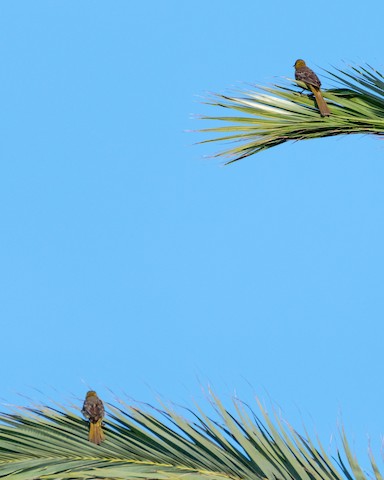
(267, 117)
(153, 444)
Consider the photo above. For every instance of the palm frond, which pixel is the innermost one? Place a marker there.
(161, 444)
(265, 117)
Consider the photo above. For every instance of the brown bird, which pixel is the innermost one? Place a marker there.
(93, 410)
(309, 77)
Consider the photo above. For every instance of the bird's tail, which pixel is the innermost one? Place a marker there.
(96, 434)
(321, 103)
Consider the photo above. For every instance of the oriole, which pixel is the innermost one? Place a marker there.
(309, 77)
(93, 410)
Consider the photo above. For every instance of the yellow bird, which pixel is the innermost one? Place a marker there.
(93, 410)
(309, 77)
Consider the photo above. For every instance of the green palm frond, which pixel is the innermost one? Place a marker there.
(148, 443)
(265, 117)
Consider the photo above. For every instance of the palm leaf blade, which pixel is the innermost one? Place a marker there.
(155, 444)
(272, 116)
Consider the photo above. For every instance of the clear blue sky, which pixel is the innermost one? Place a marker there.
(130, 262)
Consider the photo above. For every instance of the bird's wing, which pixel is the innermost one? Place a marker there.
(307, 75)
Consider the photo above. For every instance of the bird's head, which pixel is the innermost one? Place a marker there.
(299, 63)
(91, 394)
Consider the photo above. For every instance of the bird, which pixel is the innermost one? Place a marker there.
(93, 410)
(309, 77)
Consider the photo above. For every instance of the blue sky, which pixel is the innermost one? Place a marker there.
(130, 262)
